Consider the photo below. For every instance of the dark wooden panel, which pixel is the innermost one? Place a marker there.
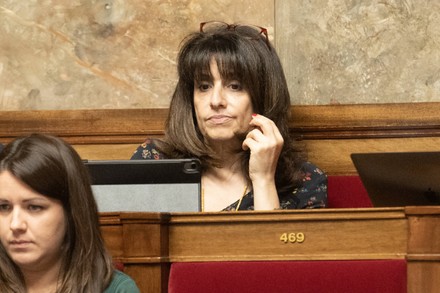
(86, 126)
(367, 121)
(310, 122)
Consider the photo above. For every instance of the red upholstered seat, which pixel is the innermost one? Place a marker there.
(369, 276)
(347, 192)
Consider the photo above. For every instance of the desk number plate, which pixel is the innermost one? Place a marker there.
(298, 237)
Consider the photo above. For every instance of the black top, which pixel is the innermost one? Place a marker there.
(312, 193)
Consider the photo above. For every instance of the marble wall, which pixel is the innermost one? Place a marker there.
(90, 54)
(360, 51)
(79, 54)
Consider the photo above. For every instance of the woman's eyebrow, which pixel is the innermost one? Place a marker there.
(35, 199)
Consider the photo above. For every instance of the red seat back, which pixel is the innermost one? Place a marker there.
(365, 276)
(347, 192)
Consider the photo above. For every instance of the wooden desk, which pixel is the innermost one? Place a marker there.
(148, 242)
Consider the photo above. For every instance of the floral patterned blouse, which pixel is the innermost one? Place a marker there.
(312, 193)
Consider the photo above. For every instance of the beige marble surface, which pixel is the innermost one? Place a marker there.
(82, 54)
(79, 54)
(360, 51)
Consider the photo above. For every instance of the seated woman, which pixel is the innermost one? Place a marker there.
(50, 239)
(231, 109)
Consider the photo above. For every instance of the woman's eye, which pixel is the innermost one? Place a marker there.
(4, 207)
(35, 208)
(204, 86)
(236, 86)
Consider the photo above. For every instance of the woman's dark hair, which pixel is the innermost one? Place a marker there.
(51, 167)
(244, 55)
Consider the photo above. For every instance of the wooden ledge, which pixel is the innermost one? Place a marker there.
(110, 126)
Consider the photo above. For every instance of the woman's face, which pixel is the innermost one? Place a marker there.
(32, 226)
(223, 108)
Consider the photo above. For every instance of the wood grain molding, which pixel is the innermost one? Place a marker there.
(86, 126)
(367, 121)
(105, 126)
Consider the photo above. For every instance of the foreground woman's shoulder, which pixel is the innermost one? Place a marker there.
(122, 283)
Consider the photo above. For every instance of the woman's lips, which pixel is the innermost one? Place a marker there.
(19, 243)
(219, 119)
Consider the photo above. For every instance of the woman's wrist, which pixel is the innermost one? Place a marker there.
(265, 195)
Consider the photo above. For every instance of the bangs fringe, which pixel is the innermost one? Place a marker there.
(223, 51)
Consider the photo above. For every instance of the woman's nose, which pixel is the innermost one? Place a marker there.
(217, 97)
(18, 221)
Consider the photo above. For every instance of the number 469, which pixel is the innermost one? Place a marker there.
(292, 237)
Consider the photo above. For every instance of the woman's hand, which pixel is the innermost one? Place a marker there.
(265, 143)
